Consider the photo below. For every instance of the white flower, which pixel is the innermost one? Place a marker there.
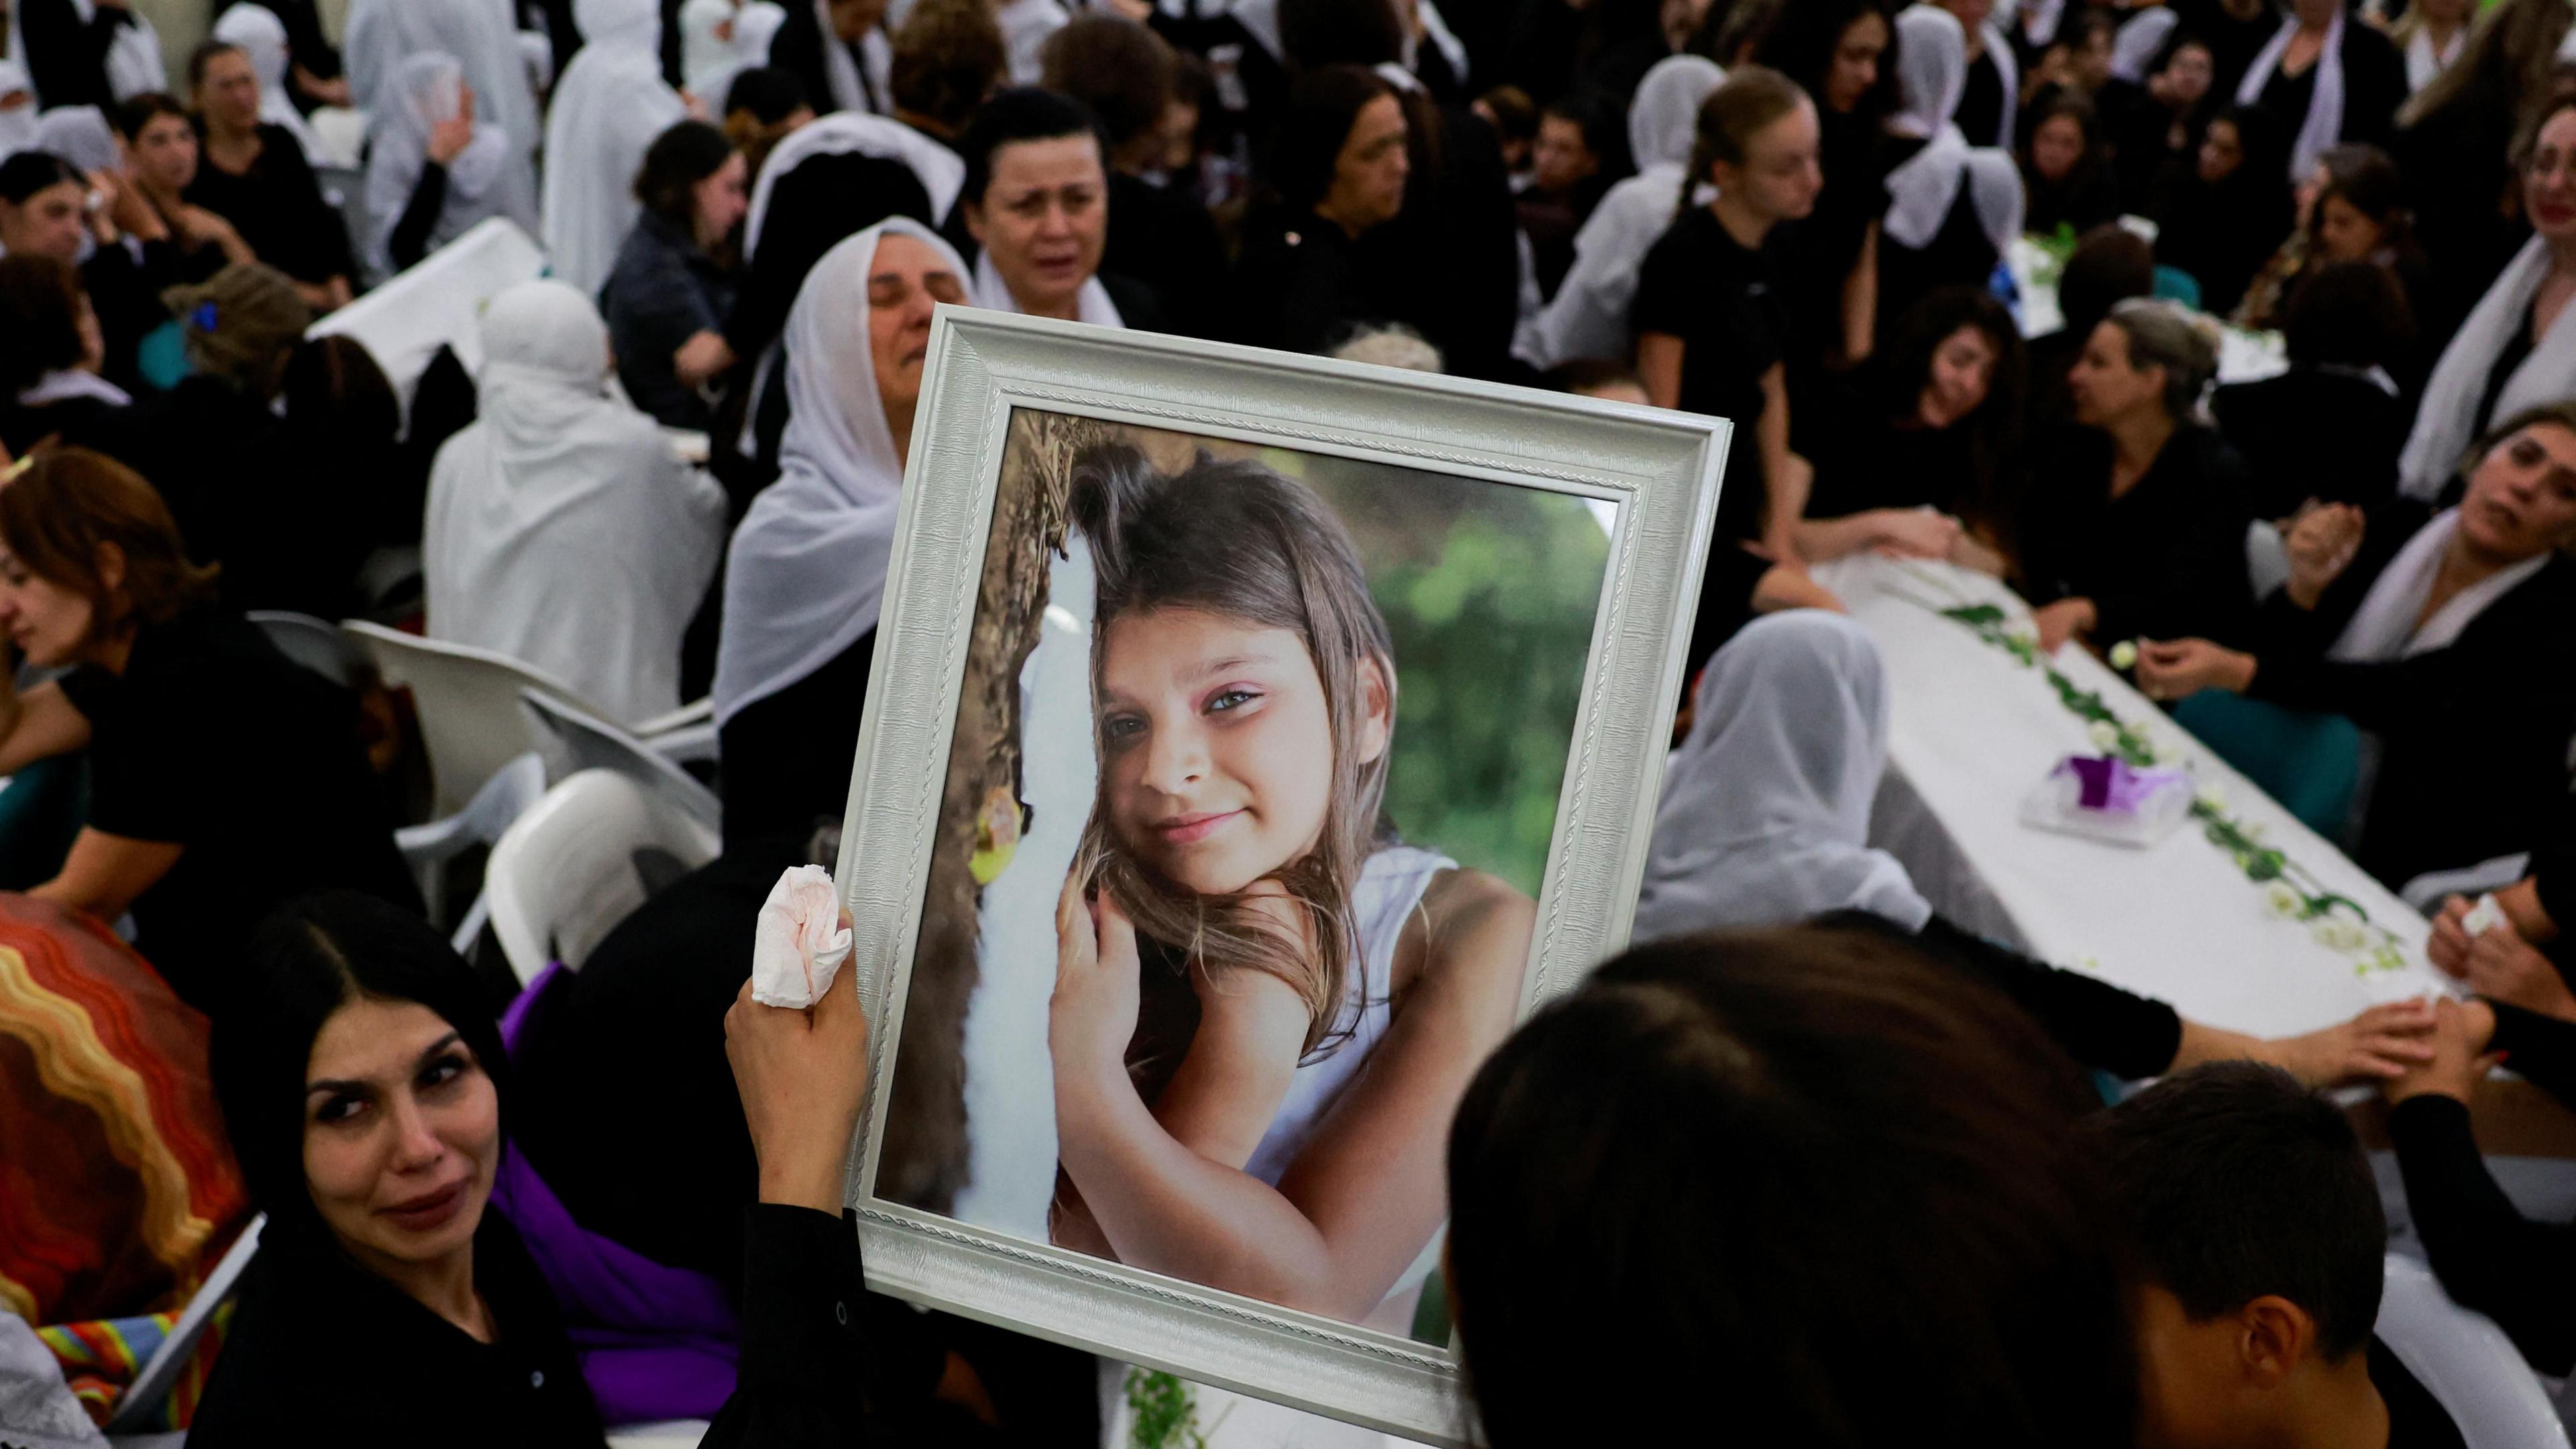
(2211, 798)
(2024, 630)
(2339, 933)
(2283, 900)
(2168, 751)
(2104, 734)
(2124, 655)
(2253, 829)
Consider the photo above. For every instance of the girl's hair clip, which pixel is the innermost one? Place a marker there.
(203, 318)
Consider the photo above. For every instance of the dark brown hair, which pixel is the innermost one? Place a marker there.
(66, 503)
(681, 157)
(948, 57)
(136, 112)
(204, 55)
(40, 301)
(1116, 66)
(1813, 1177)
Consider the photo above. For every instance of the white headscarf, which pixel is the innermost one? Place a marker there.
(562, 529)
(1026, 24)
(2323, 125)
(941, 171)
(755, 25)
(2424, 61)
(1999, 49)
(78, 134)
(262, 37)
(706, 50)
(608, 108)
(1766, 805)
(1931, 76)
(851, 92)
(2447, 424)
(808, 564)
(422, 92)
(2383, 629)
(2139, 40)
(1588, 316)
(482, 37)
(19, 127)
(1090, 305)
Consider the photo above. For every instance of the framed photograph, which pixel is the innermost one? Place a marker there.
(1253, 739)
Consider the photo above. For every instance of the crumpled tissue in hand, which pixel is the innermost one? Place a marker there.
(800, 943)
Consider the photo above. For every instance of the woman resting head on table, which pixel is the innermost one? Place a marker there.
(363, 1086)
(1804, 1180)
(1765, 820)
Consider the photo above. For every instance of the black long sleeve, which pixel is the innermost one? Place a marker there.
(2553, 869)
(67, 56)
(410, 241)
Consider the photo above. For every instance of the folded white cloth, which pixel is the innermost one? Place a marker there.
(799, 944)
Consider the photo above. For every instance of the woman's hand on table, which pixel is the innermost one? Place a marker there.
(2179, 668)
(2066, 619)
(803, 1077)
(2382, 1044)
(2461, 1031)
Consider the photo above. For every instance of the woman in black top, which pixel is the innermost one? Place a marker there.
(1304, 280)
(254, 175)
(162, 159)
(2222, 217)
(2329, 428)
(673, 285)
(2445, 638)
(44, 212)
(362, 1087)
(1712, 330)
(2374, 74)
(2135, 521)
(1836, 50)
(66, 53)
(224, 778)
(2067, 170)
(2163, 127)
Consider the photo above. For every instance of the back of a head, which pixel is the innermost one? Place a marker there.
(1824, 1188)
(24, 173)
(241, 323)
(547, 328)
(1116, 66)
(766, 93)
(1393, 345)
(2171, 336)
(948, 57)
(337, 382)
(1340, 32)
(2110, 265)
(1022, 113)
(2348, 314)
(2235, 1183)
(312, 956)
(39, 320)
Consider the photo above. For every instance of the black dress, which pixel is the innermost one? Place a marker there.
(1822, 249)
(1303, 285)
(1170, 242)
(797, 48)
(1980, 116)
(2165, 560)
(213, 741)
(2473, 736)
(277, 207)
(2374, 86)
(2313, 432)
(787, 756)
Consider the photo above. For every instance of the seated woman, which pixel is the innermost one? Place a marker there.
(201, 819)
(51, 352)
(263, 35)
(1306, 276)
(2135, 520)
(806, 570)
(2517, 350)
(1823, 1182)
(162, 159)
(254, 176)
(1952, 206)
(2437, 635)
(2067, 170)
(2351, 209)
(2223, 213)
(1036, 201)
(1764, 822)
(362, 1086)
(2150, 139)
(1917, 453)
(44, 211)
(2329, 428)
(667, 297)
(434, 172)
(562, 529)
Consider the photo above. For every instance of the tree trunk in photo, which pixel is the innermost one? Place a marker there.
(925, 1157)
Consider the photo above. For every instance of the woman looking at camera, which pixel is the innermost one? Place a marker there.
(1305, 281)
(2444, 636)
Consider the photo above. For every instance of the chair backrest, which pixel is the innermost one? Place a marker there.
(2466, 1363)
(587, 742)
(438, 302)
(318, 645)
(598, 846)
(160, 1373)
(470, 719)
(2424, 893)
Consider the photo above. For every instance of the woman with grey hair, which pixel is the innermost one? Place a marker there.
(2136, 518)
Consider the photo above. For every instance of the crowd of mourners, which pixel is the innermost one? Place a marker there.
(1831, 1168)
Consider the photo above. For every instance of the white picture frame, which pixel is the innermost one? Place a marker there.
(1658, 469)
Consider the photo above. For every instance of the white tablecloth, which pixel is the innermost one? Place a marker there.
(1974, 732)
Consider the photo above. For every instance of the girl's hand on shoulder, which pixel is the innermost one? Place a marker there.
(1097, 991)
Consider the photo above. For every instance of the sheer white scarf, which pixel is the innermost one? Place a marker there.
(423, 91)
(608, 108)
(1090, 305)
(2383, 629)
(1932, 74)
(2323, 125)
(2447, 425)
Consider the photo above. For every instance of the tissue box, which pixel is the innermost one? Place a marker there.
(2109, 799)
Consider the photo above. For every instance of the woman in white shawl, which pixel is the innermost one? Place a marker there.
(562, 529)
(384, 36)
(1588, 316)
(262, 36)
(608, 107)
(719, 39)
(1036, 201)
(80, 135)
(430, 116)
(2328, 79)
(2517, 349)
(1929, 239)
(807, 568)
(1764, 822)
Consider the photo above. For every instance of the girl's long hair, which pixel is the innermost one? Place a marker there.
(1237, 538)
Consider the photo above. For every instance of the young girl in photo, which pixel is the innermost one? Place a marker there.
(1267, 1006)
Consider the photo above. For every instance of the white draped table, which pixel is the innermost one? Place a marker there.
(1974, 731)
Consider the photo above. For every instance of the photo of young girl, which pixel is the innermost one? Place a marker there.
(1239, 1060)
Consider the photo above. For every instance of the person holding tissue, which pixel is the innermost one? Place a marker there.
(362, 1085)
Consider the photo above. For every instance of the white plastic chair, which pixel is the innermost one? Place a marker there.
(318, 645)
(2424, 894)
(676, 1434)
(161, 1371)
(586, 742)
(2466, 1363)
(595, 848)
(513, 791)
